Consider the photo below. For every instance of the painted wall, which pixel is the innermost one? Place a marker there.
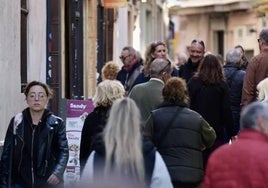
(236, 26)
(11, 99)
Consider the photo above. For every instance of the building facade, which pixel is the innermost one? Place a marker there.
(66, 43)
(221, 24)
(50, 41)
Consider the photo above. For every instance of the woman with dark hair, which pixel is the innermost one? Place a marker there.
(35, 152)
(209, 96)
(180, 135)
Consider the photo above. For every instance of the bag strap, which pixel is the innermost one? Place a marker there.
(165, 131)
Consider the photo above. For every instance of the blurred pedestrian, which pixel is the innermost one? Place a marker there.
(262, 88)
(180, 135)
(209, 96)
(257, 70)
(221, 59)
(197, 51)
(244, 162)
(149, 94)
(107, 92)
(109, 71)
(131, 68)
(124, 156)
(244, 63)
(35, 150)
(181, 59)
(234, 78)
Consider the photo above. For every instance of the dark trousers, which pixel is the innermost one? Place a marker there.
(186, 185)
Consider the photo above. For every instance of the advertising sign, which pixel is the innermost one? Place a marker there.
(77, 110)
(115, 3)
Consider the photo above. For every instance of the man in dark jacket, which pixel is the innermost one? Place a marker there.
(197, 51)
(131, 68)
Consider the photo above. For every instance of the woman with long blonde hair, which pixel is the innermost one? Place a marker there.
(125, 156)
(107, 92)
(124, 138)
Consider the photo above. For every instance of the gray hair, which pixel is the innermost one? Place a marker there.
(251, 113)
(160, 65)
(233, 57)
(131, 50)
(264, 35)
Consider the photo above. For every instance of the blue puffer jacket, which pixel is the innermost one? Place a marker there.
(234, 78)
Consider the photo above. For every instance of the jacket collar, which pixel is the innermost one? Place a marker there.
(252, 135)
(170, 104)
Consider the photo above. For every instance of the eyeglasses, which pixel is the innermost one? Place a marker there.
(123, 58)
(37, 96)
(199, 42)
(165, 67)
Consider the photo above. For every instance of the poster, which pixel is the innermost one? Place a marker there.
(115, 3)
(76, 112)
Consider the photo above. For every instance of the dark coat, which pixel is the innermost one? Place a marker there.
(187, 70)
(235, 77)
(48, 154)
(212, 101)
(93, 125)
(182, 142)
(128, 78)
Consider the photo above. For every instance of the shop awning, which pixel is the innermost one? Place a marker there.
(115, 3)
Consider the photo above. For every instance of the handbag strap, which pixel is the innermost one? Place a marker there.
(165, 131)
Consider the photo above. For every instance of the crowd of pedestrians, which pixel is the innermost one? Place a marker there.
(200, 122)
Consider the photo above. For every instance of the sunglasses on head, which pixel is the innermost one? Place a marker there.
(155, 44)
(199, 42)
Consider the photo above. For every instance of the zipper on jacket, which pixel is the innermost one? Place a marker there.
(21, 153)
(46, 159)
(32, 158)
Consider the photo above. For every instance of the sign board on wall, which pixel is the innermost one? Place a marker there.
(115, 3)
(77, 110)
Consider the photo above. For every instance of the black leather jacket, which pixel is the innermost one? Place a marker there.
(49, 152)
